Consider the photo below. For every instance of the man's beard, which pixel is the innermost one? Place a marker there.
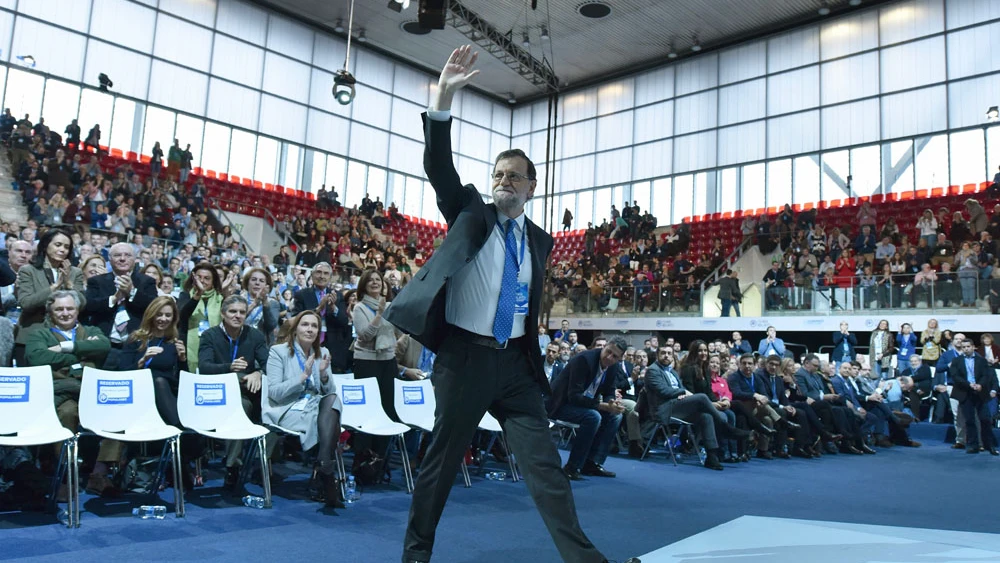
(507, 202)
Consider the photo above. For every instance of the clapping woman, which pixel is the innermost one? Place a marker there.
(200, 307)
(262, 311)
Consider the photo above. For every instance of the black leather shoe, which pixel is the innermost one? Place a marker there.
(712, 462)
(972, 450)
(850, 450)
(763, 454)
(867, 450)
(793, 425)
(634, 450)
(592, 469)
(993, 451)
(572, 474)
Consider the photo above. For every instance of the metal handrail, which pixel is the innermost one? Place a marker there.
(726, 264)
(213, 205)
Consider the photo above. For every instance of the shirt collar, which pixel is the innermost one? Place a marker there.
(502, 218)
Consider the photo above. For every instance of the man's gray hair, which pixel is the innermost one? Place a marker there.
(618, 342)
(62, 293)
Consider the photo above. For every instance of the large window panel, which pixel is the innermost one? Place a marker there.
(695, 152)
(683, 198)
(846, 36)
(743, 62)
(60, 105)
(183, 43)
(293, 165)
(614, 167)
(539, 116)
(266, 164)
(215, 148)
(329, 53)
(158, 126)
(577, 106)
(412, 85)
(696, 112)
(315, 163)
(95, 109)
(974, 51)
(406, 155)
(242, 153)
(406, 119)
(576, 174)
(356, 186)
(126, 127)
(742, 143)
(793, 91)
(372, 107)
(6, 34)
(376, 183)
(779, 182)
(498, 144)
(866, 170)
(336, 174)
(501, 118)
(321, 96)
(908, 20)
(614, 131)
(653, 159)
(792, 134)
(654, 122)
(702, 182)
(566, 201)
(968, 157)
(202, 11)
(602, 205)
(128, 70)
(794, 49)
(475, 142)
(616, 96)
(369, 145)
(729, 184)
(697, 74)
(746, 101)
(55, 51)
(289, 38)
(521, 121)
(536, 152)
(429, 206)
(897, 166)
(913, 64)
(66, 13)
(850, 78)
(476, 109)
(968, 12)
(851, 124)
(189, 132)
(915, 112)
(413, 198)
(233, 104)
(286, 78)
(969, 99)
(806, 179)
(237, 61)
(243, 20)
(993, 152)
(123, 23)
(654, 85)
(754, 186)
(662, 201)
(578, 138)
(282, 119)
(375, 70)
(177, 87)
(640, 195)
(835, 168)
(585, 209)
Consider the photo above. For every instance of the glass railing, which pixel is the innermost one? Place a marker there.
(629, 300)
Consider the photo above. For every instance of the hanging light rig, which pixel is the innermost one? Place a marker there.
(344, 81)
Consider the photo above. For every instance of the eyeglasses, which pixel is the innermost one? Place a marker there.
(514, 177)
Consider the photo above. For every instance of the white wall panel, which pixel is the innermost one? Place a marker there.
(55, 51)
(242, 20)
(578, 105)
(539, 115)
(536, 152)
(746, 101)
(127, 69)
(974, 51)
(521, 120)
(501, 119)
(238, 61)
(654, 86)
(794, 49)
(614, 167)
(406, 120)
(6, 34)
(697, 74)
(653, 159)
(476, 109)
(232, 104)
(793, 91)
(967, 12)
(614, 131)
(73, 14)
(406, 155)
(913, 64)
(283, 119)
(850, 78)
(475, 142)
(329, 53)
(320, 95)
(914, 113)
(578, 138)
(743, 143)
(374, 70)
(123, 22)
(851, 124)
(654, 122)
(909, 20)
(615, 96)
(368, 144)
(498, 144)
(328, 132)
(575, 173)
(376, 108)
(694, 152)
(180, 88)
(183, 43)
(286, 78)
(849, 35)
(696, 112)
(289, 38)
(411, 85)
(793, 134)
(969, 99)
(743, 62)
(198, 11)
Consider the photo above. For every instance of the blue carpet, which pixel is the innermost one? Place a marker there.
(650, 505)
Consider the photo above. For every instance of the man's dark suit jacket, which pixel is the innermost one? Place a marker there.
(921, 378)
(100, 288)
(660, 393)
(419, 309)
(984, 374)
(837, 354)
(576, 377)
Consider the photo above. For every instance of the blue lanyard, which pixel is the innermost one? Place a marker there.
(234, 344)
(150, 360)
(774, 388)
(69, 336)
(753, 383)
(523, 233)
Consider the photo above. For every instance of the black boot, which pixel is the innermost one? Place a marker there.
(712, 460)
(330, 492)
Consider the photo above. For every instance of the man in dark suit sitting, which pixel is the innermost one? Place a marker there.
(922, 384)
(974, 384)
(584, 393)
(336, 332)
(116, 301)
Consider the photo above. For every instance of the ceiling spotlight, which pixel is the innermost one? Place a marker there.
(339, 26)
(510, 98)
(824, 10)
(696, 47)
(855, 2)
(104, 82)
(993, 114)
(26, 60)
(525, 41)
(399, 5)
(343, 87)
(672, 54)
(545, 33)
(362, 38)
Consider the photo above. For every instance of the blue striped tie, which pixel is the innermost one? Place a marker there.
(504, 321)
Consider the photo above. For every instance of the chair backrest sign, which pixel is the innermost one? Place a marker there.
(114, 391)
(14, 388)
(210, 394)
(352, 394)
(413, 395)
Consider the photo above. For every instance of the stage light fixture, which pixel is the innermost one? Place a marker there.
(993, 114)
(104, 82)
(343, 87)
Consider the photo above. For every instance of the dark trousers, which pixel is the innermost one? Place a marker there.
(975, 408)
(698, 410)
(469, 380)
(593, 437)
(384, 371)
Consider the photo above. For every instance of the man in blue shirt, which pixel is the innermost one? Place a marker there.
(771, 345)
(974, 384)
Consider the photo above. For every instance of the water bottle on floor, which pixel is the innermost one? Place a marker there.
(146, 512)
(496, 475)
(350, 491)
(253, 501)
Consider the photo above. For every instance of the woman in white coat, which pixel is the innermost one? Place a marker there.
(301, 396)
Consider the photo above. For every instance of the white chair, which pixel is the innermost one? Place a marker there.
(212, 406)
(491, 424)
(415, 404)
(121, 405)
(682, 426)
(28, 418)
(363, 413)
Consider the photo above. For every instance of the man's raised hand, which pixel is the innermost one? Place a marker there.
(457, 72)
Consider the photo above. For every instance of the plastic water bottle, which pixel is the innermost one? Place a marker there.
(350, 491)
(146, 512)
(253, 501)
(496, 475)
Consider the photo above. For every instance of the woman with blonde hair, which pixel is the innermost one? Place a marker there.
(881, 350)
(930, 340)
(93, 265)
